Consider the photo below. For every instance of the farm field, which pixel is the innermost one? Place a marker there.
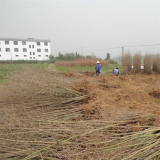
(50, 114)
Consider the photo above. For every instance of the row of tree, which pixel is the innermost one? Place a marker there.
(75, 56)
(70, 56)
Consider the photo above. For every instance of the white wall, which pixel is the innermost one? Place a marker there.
(12, 55)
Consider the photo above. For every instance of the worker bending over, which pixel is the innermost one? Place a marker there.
(115, 71)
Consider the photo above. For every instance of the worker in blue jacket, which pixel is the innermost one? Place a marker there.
(98, 68)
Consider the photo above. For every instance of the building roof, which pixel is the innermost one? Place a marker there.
(29, 39)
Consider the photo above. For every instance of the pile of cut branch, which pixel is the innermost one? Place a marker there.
(42, 118)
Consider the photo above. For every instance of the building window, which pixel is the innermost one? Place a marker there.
(39, 55)
(30, 57)
(16, 49)
(38, 50)
(0, 49)
(7, 42)
(29, 46)
(25, 55)
(0, 55)
(7, 49)
(46, 50)
(16, 55)
(45, 43)
(46, 55)
(15, 43)
(33, 53)
(33, 57)
(23, 43)
(24, 50)
(30, 53)
(38, 43)
(32, 46)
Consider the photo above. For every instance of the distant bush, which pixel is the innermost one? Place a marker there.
(52, 59)
(126, 62)
(147, 63)
(137, 62)
(156, 64)
(111, 61)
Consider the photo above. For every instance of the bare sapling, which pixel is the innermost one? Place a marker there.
(126, 62)
(147, 63)
(156, 64)
(137, 62)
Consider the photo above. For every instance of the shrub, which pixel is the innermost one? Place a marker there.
(111, 61)
(137, 62)
(147, 63)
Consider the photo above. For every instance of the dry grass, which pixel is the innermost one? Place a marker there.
(147, 63)
(137, 62)
(45, 117)
(27, 102)
(156, 64)
(126, 62)
(81, 62)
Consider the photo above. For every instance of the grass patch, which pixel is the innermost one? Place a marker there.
(105, 69)
(10, 69)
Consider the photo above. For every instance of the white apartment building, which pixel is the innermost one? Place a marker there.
(24, 49)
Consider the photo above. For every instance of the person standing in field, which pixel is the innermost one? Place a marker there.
(115, 71)
(98, 68)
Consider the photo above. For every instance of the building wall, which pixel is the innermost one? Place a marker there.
(17, 53)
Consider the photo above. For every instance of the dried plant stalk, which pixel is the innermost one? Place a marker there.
(137, 62)
(156, 64)
(126, 62)
(147, 63)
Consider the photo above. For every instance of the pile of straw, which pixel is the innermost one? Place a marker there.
(36, 88)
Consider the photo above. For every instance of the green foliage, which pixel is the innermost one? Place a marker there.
(70, 57)
(88, 57)
(111, 61)
(105, 69)
(67, 57)
(8, 69)
(52, 59)
(108, 56)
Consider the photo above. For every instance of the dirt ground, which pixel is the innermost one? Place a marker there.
(74, 115)
(115, 97)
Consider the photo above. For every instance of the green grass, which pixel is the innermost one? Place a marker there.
(105, 69)
(7, 70)
(10, 69)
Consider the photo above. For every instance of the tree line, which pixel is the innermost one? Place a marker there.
(70, 57)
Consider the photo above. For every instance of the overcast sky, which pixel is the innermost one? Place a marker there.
(85, 26)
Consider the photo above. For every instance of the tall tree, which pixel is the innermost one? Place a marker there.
(108, 56)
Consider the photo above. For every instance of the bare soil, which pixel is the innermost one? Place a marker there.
(138, 93)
